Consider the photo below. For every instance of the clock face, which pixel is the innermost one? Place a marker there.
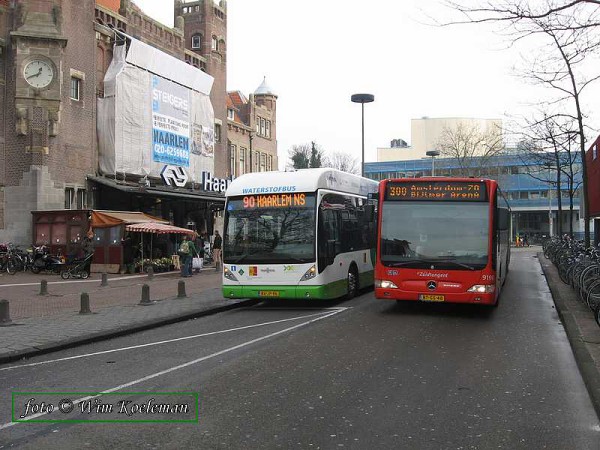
(38, 73)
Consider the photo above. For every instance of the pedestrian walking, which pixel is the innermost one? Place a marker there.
(217, 244)
(200, 248)
(185, 256)
(525, 240)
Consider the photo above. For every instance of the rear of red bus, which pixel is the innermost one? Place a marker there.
(441, 240)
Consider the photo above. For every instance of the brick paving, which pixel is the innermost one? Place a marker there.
(64, 296)
(44, 323)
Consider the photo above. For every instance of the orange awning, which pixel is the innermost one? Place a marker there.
(106, 219)
(158, 228)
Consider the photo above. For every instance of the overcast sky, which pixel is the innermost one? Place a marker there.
(316, 54)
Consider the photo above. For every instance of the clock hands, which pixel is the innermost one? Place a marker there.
(39, 72)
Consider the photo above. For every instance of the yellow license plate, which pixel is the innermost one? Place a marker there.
(268, 293)
(431, 298)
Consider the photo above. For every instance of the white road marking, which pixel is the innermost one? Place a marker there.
(182, 366)
(150, 344)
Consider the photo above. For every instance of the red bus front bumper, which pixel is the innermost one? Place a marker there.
(429, 297)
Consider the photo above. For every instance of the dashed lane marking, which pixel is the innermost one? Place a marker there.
(184, 365)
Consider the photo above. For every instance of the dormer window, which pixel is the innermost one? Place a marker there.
(230, 114)
(196, 41)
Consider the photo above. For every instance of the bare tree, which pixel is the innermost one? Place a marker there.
(344, 162)
(470, 147)
(569, 28)
(304, 156)
(547, 150)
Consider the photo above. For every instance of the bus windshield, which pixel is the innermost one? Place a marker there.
(269, 231)
(438, 235)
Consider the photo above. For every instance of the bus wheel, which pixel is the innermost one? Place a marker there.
(352, 283)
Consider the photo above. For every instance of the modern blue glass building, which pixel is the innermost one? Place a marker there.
(533, 201)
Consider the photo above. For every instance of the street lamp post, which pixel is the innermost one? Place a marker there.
(433, 154)
(362, 99)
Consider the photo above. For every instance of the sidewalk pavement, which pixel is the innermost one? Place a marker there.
(51, 322)
(580, 326)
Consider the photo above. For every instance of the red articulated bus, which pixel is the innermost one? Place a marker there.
(442, 240)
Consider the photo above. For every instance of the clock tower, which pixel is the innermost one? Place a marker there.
(38, 46)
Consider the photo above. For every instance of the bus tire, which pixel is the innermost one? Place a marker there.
(352, 283)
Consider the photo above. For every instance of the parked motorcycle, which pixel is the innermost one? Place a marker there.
(43, 260)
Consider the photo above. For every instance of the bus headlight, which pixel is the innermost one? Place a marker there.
(385, 284)
(482, 288)
(310, 273)
(229, 274)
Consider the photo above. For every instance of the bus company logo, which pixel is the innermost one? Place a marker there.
(392, 272)
(289, 268)
(241, 272)
(431, 285)
(253, 271)
(267, 270)
(432, 275)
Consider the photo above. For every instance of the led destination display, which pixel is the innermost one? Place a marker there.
(437, 190)
(276, 201)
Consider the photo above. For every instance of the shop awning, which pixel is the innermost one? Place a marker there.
(106, 219)
(158, 228)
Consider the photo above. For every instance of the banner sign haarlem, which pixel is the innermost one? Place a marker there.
(170, 122)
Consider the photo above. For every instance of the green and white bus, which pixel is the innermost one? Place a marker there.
(306, 234)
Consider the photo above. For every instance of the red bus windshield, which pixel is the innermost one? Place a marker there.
(435, 235)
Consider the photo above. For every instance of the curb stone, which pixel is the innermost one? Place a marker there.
(589, 368)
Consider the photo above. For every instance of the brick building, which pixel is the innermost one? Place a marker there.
(48, 138)
(252, 131)
(48, 103)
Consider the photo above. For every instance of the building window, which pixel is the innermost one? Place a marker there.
(69, 198)
(196, 41)
(214, 44)
(230, 113)
(232, 159)
(81, 199)
(595, 151)
(268, 128)
(523, 195)
(263, 127)
(263, 162)
(242, 161)
(256, 158)
(217, 133)
(75, 88)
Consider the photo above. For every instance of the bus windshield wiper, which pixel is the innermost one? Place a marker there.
(404, 263)
(427, 261)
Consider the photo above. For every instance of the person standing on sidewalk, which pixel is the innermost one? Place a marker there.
(185, 256)
(193, 253)
(217, 245)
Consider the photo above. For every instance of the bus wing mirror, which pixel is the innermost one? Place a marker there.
(503, 219)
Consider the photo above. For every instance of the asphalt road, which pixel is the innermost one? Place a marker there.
(360, 374)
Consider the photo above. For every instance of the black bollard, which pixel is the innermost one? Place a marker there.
(43, 287)
(104, 281)
(145, 295)
(150, 272)
(85, 304)
(181, 289)
(5, 313)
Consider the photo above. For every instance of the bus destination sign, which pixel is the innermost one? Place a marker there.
(274, 201)
(437, 190)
